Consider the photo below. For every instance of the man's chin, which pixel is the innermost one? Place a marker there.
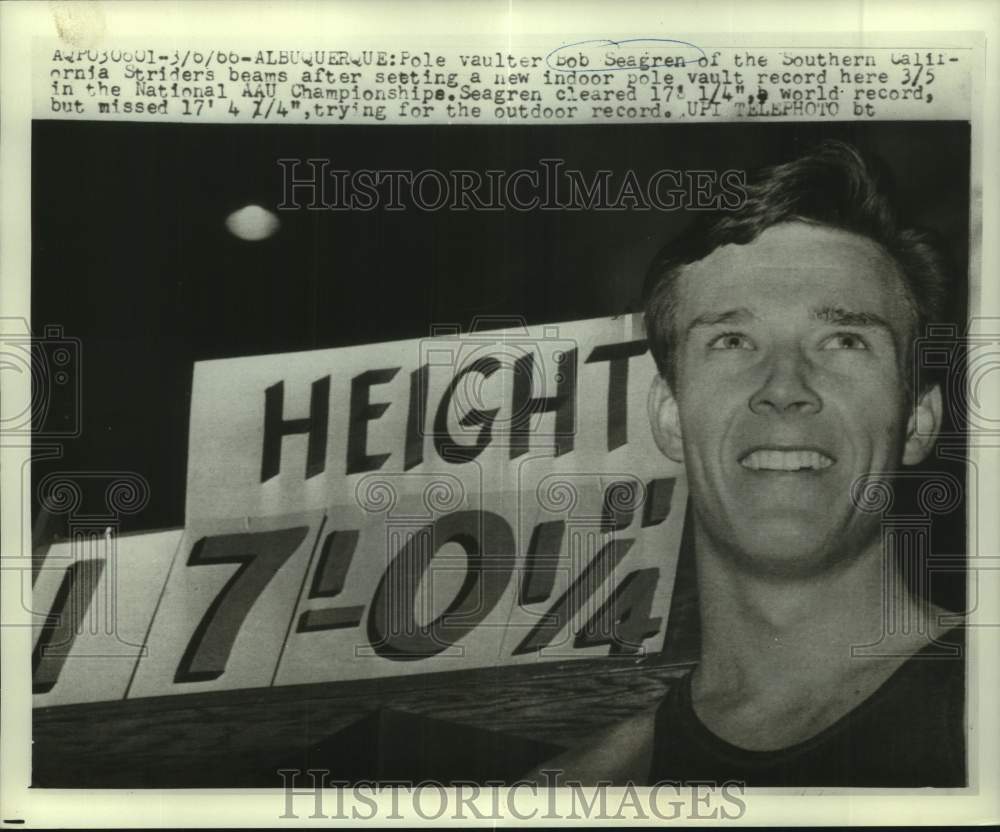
(791, 544)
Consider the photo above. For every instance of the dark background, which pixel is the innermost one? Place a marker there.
(130, 254)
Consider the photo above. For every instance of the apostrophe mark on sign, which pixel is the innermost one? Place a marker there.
(659, 493)
(621, 499)
(328, 582)
(540, 564)
(334, 560)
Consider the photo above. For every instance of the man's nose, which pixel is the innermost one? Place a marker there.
(786, 388)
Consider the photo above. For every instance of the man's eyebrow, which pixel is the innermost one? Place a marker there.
(731, 316)
(838, 316)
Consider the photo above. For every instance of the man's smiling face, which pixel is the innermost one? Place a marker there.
(789, 385)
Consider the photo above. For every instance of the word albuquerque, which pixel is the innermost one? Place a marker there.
(312, 185)
(477, 422)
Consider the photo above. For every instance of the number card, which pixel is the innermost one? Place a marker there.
(227, 607)
(95, 597)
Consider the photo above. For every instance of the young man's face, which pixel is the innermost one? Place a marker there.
(790, 362)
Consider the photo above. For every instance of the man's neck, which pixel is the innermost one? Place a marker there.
(788, 641)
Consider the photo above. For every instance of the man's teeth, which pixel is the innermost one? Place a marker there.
(786, 461)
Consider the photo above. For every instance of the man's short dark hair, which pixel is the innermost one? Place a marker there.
(833, 186)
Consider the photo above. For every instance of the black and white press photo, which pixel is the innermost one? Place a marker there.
(551, 434)
(405, 422)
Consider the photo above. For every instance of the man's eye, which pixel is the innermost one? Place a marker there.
(845, 341)
(730, 341)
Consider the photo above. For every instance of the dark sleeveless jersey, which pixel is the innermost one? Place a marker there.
(909, 732)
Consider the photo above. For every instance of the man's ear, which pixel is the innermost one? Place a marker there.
(923, 425)
(664, 419)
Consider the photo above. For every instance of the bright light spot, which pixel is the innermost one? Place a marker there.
(252, 223)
